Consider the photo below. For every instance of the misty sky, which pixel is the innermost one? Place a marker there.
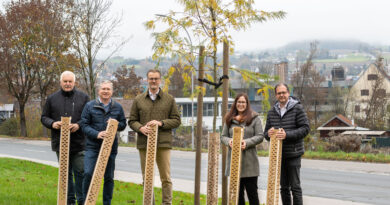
(363, 20)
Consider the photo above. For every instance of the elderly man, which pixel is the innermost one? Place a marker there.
(68, 102)
(94, 123)
(158, 108)
(288, 116)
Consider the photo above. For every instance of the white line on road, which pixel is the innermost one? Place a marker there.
(31, 150)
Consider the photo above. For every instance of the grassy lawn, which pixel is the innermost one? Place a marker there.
(348, 59)
(23, 182)
(378, 158)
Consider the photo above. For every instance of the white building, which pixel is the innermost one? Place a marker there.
(189, 113)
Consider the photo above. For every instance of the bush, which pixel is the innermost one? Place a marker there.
(10, 127)
(346, 143)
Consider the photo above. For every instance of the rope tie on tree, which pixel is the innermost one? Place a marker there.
(216, 85)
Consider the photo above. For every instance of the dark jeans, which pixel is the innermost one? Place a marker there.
(290, 181)
(89, 166)
(250, 185)
(76, 169)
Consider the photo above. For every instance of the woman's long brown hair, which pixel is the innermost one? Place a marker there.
(234, 112)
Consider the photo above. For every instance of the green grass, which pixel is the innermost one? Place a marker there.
(378, 158)
(348, 59)
(23, 182)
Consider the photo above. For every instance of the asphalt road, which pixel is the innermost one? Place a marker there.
(349, 181)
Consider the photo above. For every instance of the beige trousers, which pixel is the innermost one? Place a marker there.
(163, 160)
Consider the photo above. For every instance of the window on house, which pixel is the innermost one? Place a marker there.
(357, 108)
(364, 92)
(382, 93)
(372, 76)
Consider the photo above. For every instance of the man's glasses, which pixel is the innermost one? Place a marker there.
(281, 93)
(154, 79)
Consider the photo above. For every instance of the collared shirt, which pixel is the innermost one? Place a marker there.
(153, 96)
(283, 109)
(106, 107)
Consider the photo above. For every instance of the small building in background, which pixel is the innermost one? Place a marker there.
(338, 124)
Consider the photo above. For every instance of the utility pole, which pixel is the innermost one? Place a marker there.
(199, 119)
(225, 95)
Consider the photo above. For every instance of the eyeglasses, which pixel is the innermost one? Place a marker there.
(281, 93)
(154, 79)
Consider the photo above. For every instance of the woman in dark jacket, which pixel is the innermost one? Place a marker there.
(241, 115)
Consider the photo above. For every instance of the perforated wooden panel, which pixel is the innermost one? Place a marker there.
(100, 167)
(63, 161)
(275, 161)
(235, 166)
(212, 172)
(151, 150)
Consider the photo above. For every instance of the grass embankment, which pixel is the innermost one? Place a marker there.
(23, 182)
(378, 158)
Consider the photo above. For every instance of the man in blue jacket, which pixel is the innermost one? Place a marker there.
(93, 123)
(288, 116)
(68, 102)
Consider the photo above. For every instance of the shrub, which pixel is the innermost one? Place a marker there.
(10, 127)
(346, 143)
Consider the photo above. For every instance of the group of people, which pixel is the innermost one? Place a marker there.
(154, 107)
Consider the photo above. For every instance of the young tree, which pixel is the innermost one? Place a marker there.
(205, 22)
(93, 27)
(127, 83)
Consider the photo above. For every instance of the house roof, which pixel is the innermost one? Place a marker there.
(6, 107)
(345, 120)
(363, 132)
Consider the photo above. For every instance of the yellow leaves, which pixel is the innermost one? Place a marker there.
(150, 24)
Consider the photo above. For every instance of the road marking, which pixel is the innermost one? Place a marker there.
(31, 150)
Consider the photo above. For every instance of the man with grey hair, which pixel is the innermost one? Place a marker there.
(94, 123)
(68, 102)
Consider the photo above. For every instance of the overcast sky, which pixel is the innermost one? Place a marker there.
(364, 20)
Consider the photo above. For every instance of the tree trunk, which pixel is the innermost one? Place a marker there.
(23, 127)
(199, 130)
(43, 101)
(225, 96)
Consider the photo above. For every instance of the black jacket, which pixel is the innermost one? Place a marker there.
(65, 104)
(295, 124)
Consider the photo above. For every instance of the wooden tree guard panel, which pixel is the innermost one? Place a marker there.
(151, 151)
(212, 172)
(275, 162)
(62, 192)
(235, 165)
(101, 163)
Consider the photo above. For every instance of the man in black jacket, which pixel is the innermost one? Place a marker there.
(68, 102)
(288, 116)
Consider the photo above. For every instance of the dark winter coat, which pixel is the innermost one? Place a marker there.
(295, 124)
(65, 104)
(253, 135)
(94, 120)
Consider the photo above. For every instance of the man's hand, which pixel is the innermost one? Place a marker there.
(270, 132)
(56, 125)
(145, 130)
(154, 122)
(231, 143)
(281, 134)
(243, 144)
(102, 135)
(74, 127)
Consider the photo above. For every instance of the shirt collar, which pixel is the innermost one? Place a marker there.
(103, 103)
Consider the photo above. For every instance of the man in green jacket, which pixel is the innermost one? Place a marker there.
(159, 108)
